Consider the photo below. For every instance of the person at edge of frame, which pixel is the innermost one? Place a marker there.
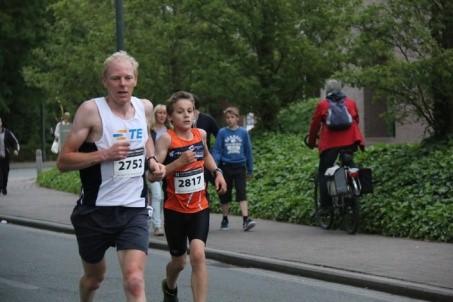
(8, 144)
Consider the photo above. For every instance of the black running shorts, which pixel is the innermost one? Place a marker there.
(98, 228)
(235, 176)
(182, 226)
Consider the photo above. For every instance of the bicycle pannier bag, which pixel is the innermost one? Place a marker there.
(366, 180)
(336, 180)
(338, 116)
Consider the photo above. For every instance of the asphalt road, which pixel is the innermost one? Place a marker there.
(43, 266)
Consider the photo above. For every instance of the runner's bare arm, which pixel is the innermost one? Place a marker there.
(85, 125)
(162, 145)
(162, 149)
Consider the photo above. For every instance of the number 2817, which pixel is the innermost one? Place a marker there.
(189, 182)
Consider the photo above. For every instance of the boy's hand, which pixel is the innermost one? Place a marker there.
(220, 184)
(187, 157)
(157, 171)
(153, 176)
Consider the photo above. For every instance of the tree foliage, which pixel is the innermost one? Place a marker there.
(261, 55)
(403, 50)
(68, 64)
(20, 31)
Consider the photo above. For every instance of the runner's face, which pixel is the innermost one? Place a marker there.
(161, 116)
(183, 114)
(120, 81)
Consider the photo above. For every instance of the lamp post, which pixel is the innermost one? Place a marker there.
(43, 131)
(119, 25)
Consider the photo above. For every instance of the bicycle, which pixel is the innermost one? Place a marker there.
(344, 187)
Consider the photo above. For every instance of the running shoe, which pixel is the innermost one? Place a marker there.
(169, 295)
(248, 225)
(224, 225)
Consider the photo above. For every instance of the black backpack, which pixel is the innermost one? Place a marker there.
(338, 116)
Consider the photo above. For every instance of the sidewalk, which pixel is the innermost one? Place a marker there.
(412, 268)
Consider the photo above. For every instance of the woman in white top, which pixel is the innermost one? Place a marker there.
(158, 127)
(58, 141)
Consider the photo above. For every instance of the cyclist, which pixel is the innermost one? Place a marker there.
(332, 141)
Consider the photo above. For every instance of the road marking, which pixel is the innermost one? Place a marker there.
(16, 284)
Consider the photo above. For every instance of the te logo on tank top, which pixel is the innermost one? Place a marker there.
(128, 134)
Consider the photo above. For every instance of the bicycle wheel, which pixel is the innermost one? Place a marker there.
(325, 218)
(351, 215)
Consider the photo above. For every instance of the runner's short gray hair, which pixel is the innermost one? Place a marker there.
(333, 86)
(120, 55)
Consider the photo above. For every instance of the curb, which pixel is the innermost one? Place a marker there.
(379, 283)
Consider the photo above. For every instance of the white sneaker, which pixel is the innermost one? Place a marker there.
(150, 211)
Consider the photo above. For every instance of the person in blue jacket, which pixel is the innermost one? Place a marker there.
(233, 153)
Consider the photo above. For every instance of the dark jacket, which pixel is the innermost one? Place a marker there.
(10, 142)
(208, 124)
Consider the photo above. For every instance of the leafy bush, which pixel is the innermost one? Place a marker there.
(282, 186)
(68, 182)
(413, 196)
(296, 118)
(413, 192)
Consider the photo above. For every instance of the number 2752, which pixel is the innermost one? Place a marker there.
(126, 164)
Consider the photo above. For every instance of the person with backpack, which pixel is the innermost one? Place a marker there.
(334, 127)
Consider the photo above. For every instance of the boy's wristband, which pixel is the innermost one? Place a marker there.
(216, 170)
(151, 157)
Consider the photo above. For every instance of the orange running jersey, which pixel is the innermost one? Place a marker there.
(185, 188)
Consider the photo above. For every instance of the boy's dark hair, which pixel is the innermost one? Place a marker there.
(196, 101)
(179, 95)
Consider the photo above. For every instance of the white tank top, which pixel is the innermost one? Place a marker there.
(118, 183)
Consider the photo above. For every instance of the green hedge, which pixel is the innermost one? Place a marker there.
(413, 194)
(53, 179)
